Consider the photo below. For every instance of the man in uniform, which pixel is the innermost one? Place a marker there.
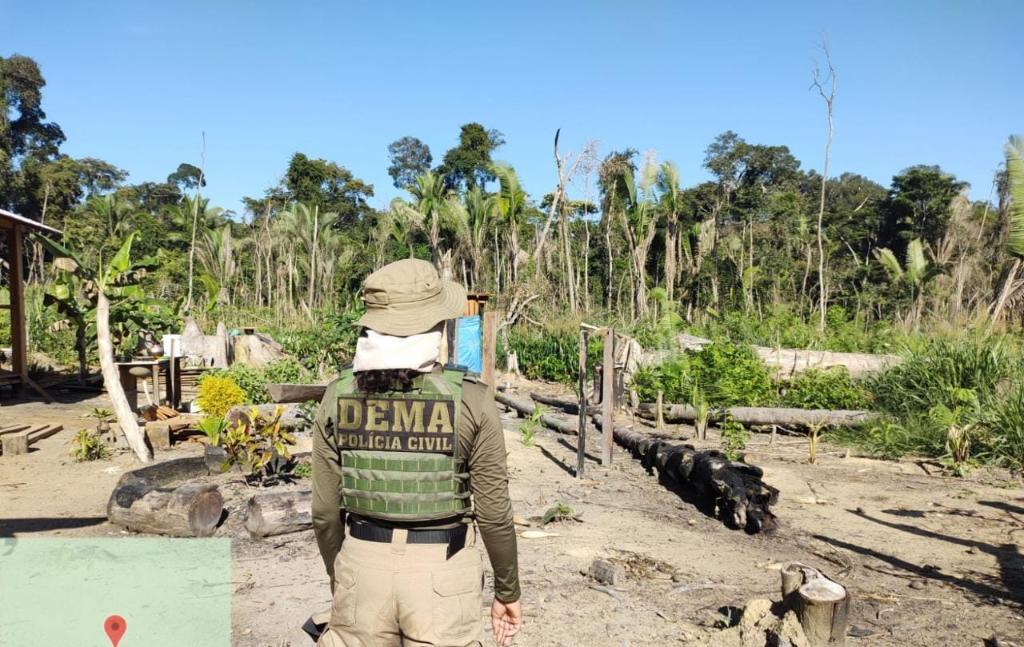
(406, 455)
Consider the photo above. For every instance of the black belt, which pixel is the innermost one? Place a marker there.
(367, 530)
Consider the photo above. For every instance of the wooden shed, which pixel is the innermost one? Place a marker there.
(12, 231)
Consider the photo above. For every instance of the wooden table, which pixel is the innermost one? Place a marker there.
(156, 367)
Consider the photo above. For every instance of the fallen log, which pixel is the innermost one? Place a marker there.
(821, 604)
(730, 490)
(279, 513)
(569, 406)
(764, 416)
(190, 510)
(526, 409)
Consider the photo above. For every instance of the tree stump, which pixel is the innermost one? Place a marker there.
(190, 510)
(278, 513)
(821, 604)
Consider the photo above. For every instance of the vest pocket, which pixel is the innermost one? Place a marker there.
(343, 607)
(457, 594)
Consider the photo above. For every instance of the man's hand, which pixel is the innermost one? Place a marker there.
(506, 620)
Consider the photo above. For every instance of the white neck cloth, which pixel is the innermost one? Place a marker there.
(376, 351)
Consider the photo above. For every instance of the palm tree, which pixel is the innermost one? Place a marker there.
(400, 222)
(1015, 240)
(914, 276)
(511, 201)
(471, 219)
(430, 194)
(671, 203)
(640, 223)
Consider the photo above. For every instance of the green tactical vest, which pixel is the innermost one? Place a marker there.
(399, 451)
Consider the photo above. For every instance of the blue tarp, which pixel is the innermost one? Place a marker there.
(470, 347)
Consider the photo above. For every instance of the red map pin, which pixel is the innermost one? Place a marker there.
(115, 626)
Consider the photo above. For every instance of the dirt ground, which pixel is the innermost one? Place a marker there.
(930, 560)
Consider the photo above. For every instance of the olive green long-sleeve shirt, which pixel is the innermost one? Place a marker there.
(479, 436)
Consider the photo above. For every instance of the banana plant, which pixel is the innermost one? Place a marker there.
(91, 294)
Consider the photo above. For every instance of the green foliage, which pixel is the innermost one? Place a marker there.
(213, 427)
(559, 512)
(552, 355)
(287, 371)
(728, 375)
(825, 389)
(328, 345)
(734, 438)
(252, 382)
(528, 429)
(218, 394)
(259, 446)
(303, 470)
(88, 446)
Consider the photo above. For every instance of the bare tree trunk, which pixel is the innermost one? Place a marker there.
(1004, 294)
(195, 226)
(312, 258)
(829, 99)
(112, 382)
(671, 236)
(570, 272)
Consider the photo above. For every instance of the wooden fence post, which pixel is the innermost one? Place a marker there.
(607, 396)
(581, 439)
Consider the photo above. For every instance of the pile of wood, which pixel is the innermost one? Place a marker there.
(161, 412)
(16, 439)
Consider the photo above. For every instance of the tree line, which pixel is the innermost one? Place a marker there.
(618, 235)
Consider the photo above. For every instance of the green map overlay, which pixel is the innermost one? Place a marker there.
(171, 592)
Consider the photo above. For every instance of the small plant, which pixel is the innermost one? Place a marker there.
(87, 446)
(559, 512)
(259, 447)
(702, 412)
(825, 389)
(528, 429)
(734, 438)
(218, 394)
(813, 436)
(214, 428)
(101, 413)
(303, 470)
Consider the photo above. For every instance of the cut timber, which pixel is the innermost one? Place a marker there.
(764, 416)
(821, 604)
(16, 440)
(282, 393)
(16, 443)
(190, 510)
(279, 513)
(256, 350)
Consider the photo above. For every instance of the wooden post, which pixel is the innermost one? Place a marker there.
(18, 344)
(607, 396)
(581, 438)
(659, 416)
(490, 342)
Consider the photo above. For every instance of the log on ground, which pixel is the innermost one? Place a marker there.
(279, 513)
(526, 409)
(764, 416)
(189, 510)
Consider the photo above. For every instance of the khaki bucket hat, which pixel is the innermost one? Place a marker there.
(408, 297)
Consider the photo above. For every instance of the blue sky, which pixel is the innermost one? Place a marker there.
(136, 83)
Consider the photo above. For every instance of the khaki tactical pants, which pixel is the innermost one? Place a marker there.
(391, 594)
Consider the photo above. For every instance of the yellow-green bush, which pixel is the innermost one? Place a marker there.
(217, 394)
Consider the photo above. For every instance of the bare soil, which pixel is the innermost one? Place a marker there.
(929, 559)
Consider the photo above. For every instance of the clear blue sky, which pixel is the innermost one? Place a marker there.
(135, 83)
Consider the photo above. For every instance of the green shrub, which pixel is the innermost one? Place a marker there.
(734, 438)
(728, 375)
(252, 382)
(1005, 424)
(825, 389)
(672, 377)
(218, 394)
(287, 371)
(87, 446)
(552, 355)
